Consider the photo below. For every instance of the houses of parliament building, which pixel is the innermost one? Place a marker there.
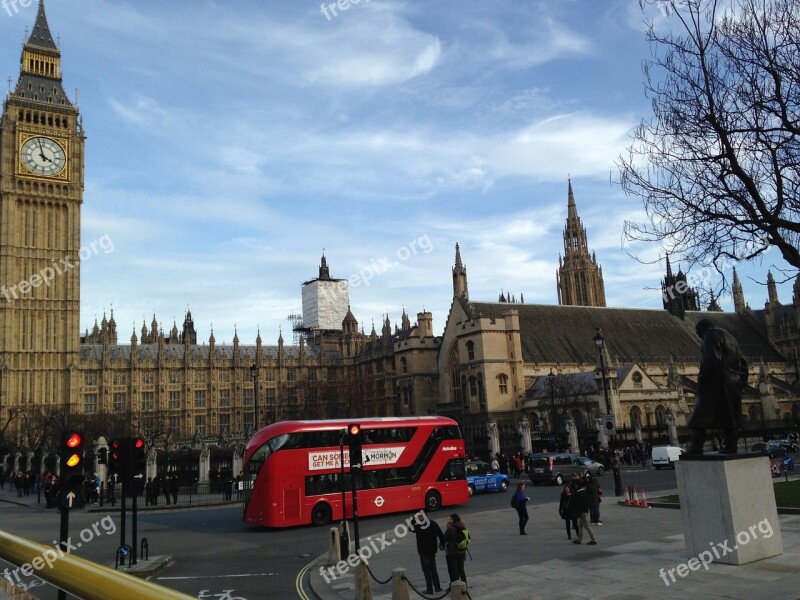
(508, 371)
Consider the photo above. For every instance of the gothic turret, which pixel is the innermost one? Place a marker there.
(460, 289)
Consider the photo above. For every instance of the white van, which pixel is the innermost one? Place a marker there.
(665, 456)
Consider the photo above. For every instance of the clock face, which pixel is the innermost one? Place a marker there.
(43, 156)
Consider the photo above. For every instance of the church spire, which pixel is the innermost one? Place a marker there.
(40, 35)
(460, 289)
(40, 67)
(579, 279)
(739, 305)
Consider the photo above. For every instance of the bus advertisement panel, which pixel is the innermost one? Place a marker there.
(293, 470)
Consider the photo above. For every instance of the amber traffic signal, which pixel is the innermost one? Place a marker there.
(72, 447)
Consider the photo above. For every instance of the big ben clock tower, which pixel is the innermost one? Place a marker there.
(41, 191)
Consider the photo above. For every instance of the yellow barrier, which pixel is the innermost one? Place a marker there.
(79, 576)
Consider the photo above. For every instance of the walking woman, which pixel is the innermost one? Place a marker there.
(565, 510)
(520, 500)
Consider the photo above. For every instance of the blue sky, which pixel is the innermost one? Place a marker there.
(229, 143)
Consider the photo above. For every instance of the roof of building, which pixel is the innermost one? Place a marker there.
(564, 334)
(176, 351)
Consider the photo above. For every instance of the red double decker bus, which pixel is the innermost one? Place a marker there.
(293, 470)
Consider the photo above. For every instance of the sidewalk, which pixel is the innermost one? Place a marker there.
(634, 544)
(185, 501)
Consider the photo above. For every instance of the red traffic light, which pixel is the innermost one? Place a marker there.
(74, 440)
(354, 429)
(139, 443)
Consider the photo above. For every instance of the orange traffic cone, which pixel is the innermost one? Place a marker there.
(635, 501)
(627, 498)
(644, 500)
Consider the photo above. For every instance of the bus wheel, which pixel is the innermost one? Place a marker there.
(321, 514)
(433, 501)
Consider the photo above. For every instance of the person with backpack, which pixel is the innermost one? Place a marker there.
(456, 543)
(519, 502)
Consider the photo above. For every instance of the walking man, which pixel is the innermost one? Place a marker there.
(429, 539)
(520, 500)
(580, 505)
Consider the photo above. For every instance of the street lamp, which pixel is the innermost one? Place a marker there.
(551, 378)
(254, 369)
(600, 342)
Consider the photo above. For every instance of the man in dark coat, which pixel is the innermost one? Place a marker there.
(723, 374)
(429, 539)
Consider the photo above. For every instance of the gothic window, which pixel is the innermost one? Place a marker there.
(148, 403)
(200, 425)
(89, 403)
(453, 369)
(147, 378)
(637, 379)
(120, 402)
(174, 377)
(755, 413)
(636, 416)
(473, 386)
(247, 397)
(291, 375)
(199, 398)
(224, 398)
(120, 378)
(502, 382)
(199, 376)
(471, 350)
(90, 378)
(225, 422)
(661, 417)
(174, 400)
(403, 365)
(225, 377)
(312, 374)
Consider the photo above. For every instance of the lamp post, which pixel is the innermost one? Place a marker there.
(550, 378)
(254, 369)
(600, 342)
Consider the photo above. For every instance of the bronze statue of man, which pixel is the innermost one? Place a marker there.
(723, 374)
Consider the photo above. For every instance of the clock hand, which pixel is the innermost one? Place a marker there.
(41, 151)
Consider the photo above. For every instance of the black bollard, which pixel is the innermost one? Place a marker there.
(617, 482)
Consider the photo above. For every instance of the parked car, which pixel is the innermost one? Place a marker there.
(481, 479)
(595, 468)
(787, 445)
(558, 467)
(665, 456)
(772, 448)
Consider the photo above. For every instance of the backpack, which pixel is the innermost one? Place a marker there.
(463, 540)
(514, 501)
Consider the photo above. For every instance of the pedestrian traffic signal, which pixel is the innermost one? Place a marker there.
(354, 441)
(102, 456)
(72, 446)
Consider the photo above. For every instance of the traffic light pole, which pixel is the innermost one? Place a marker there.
(133, 529)
(354, 472)
(122, 517)
(62, 539)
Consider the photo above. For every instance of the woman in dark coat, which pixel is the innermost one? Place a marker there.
(566, 512)
(521, 506)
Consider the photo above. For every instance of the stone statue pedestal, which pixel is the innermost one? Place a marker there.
(728, 508)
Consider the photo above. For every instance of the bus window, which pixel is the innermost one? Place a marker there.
(453, 470)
